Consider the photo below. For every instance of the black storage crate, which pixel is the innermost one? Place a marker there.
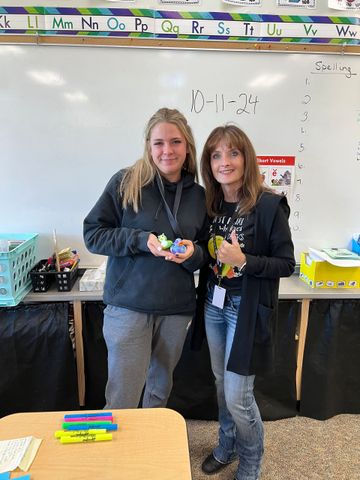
(65, 280)
(41, 281)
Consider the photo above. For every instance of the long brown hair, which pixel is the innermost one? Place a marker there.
(252, 185)
(144, 170)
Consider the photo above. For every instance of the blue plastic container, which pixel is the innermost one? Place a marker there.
(15, 266)
(355, 246)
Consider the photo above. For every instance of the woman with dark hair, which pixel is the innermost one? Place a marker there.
(251, 247)
(149, 292)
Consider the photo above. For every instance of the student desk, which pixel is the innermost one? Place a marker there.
(291, 288)
(150, 444)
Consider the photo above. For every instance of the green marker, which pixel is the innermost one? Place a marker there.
(86, 424)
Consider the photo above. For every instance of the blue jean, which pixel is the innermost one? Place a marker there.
(143, 349)
(241, 432)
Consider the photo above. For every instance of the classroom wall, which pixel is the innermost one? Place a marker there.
(72, 116)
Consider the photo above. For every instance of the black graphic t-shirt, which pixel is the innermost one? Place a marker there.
(220, 229)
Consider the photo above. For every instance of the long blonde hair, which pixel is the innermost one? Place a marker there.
(252, 185)
(144, 170)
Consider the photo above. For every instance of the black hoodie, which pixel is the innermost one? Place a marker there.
(136, 279)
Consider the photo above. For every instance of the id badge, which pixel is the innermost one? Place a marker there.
(218, 299)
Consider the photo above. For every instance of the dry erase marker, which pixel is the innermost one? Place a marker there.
(74, 433)
(88, 423)
(84, 426)
(102, 437)
(81, 415)
(88, 419)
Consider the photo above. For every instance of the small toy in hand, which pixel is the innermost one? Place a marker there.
(174, 247)
(178, 246)
(165, 243)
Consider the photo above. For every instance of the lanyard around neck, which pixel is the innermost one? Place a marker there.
(172, 215)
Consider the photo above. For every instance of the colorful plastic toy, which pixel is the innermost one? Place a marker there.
(178, 246)
(174, 247)
(165, 243)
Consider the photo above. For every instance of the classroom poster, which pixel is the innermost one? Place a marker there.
(344, 4)
(296, 3)
(278, 172)
(163, 24)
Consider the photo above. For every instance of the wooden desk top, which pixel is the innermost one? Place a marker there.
(150, 444)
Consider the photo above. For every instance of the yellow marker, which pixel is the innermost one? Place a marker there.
(103, 437)
(76, 433)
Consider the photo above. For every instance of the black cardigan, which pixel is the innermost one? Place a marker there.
(271, 257)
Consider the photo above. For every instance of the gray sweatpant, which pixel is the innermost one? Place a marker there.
(143, 349)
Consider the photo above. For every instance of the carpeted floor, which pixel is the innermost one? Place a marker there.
(298, 448)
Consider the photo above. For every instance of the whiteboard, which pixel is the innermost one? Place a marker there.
(70, 117)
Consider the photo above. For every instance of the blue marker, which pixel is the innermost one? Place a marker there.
(84, 426)
(88, 415)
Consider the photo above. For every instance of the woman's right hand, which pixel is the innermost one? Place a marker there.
(155, 247)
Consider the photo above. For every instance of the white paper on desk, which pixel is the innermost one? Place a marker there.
(18, 452)
(30, 453)
(322, 256)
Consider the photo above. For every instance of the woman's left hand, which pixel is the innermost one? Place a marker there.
(181, 257)
(231, 253)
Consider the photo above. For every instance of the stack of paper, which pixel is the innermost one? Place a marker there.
(18, 453)
(340, 257)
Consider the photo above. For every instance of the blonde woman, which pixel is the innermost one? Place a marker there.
(149, 292)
